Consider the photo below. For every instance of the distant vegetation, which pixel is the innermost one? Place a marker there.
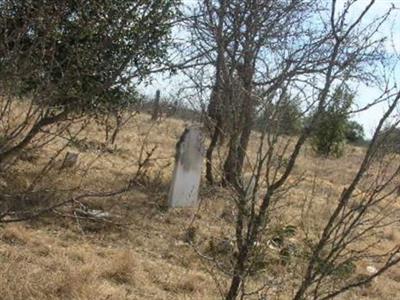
(333, 127)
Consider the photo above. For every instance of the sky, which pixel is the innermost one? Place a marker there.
(369, 119)
(391, 30)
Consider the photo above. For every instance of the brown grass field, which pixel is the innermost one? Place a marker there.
(64, 257)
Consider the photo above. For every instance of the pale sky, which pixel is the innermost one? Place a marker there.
(369, 118)
(391, 30)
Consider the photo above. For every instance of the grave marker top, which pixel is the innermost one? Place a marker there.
(187, 173)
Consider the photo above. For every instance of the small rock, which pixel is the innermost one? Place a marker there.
(94, 213)
(273, 245)
(71, 159)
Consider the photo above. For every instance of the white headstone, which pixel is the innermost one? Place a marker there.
(187, 173)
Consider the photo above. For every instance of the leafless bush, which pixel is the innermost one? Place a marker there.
(307, 64)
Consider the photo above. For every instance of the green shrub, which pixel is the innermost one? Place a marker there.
(329, 134)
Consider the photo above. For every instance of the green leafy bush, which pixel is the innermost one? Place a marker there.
(329, 134)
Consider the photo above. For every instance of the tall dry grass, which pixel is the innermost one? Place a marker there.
(149, 258)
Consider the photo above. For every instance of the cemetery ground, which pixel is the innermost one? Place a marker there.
(144, 250)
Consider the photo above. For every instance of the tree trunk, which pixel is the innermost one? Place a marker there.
(118, 121)
(245, 136)
(239, 271)
(234, 288)
(237, 150)
(232, 171)
(214, 140)
(216, 107)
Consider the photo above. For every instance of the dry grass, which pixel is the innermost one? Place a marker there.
(58, 258)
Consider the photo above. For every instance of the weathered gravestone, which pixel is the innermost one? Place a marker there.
(188, 162)
(156, 107)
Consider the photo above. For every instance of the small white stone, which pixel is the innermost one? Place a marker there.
(371, 269)
(271, 245)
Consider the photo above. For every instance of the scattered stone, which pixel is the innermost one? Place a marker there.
(371, 269)
(71, 159)
(273, 245)
(187, 173)
(94, 213)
